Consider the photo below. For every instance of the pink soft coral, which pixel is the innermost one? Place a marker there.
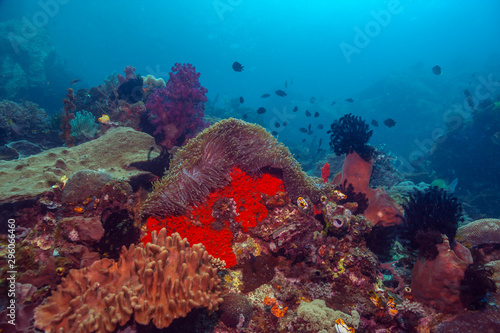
(177, 110)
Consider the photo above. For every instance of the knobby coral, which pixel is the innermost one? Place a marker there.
(157, 282)
(177, 110)
(205, 163)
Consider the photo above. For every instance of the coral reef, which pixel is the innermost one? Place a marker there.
(165, 272)
(431, 210)
(382, 209)
(235, 311)
(351, 134)
(317, 317)
(483, 231)
(27, 178)
(225, 212)
(177, 110)
(438, 282)
(21, 121)
(205, 162)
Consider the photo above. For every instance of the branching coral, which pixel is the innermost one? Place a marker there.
(206, 161)
(158, 282)
(351, 133)
(430, 210)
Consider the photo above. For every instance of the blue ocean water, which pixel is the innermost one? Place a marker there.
(424, 75)
(380, 53)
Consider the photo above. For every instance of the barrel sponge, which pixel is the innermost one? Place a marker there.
(204, 164)
(160, 281)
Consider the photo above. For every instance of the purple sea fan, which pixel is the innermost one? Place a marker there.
(177, 110)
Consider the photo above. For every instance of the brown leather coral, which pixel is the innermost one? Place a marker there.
(160, 281)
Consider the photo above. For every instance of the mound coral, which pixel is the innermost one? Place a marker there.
(349, 134)
(430, 210)
(177, 110)
(205, 164)
(212, 223)
(157, 282)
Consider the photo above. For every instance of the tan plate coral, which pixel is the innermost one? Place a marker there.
(160, 281)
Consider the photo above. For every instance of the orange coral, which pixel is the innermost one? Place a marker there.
(157, 282)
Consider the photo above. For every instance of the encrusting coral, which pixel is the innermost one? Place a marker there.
(157, 282)
(205, 163)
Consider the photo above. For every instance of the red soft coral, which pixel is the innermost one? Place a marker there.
(197, 225)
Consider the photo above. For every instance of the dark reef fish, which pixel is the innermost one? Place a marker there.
(265, 96)
(320, 126)
(75, 81)
(312, 100)
(316, 114)
(375, 123)
(389, 122)
(237, 67)
(303, 130)
(261, 110)
(349, 100)
(437, 70)
(280, 93)
(308, 114)
(295, 109)
(333, 103)
(285, 123)
(276, 124)
(242, 100)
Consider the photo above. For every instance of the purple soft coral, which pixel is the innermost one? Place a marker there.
(177, 110)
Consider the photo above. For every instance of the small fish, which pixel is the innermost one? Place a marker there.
(265, 96)
(245, 116)
(295, 109)
(308, 114)
(320, 141)
(375, 123)
(274, 133)
(349, 100)
(389, 122)
(75, 81)
(312, 100)
(341, 327)
(277, 125)
(333, 103)
(242, 100)
(285, 123)
(237, 67)
(104, 119)
(303, 140)
(261, 110)
(437, 70)
(320, 126)
(280, 93)
(15, 127)
(309, 129)
(303, 130)
(316, 114)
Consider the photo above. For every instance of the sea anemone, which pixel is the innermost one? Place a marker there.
(431, 210)
(351, 133)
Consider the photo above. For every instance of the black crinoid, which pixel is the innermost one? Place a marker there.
(351, 133)
(427, 215)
